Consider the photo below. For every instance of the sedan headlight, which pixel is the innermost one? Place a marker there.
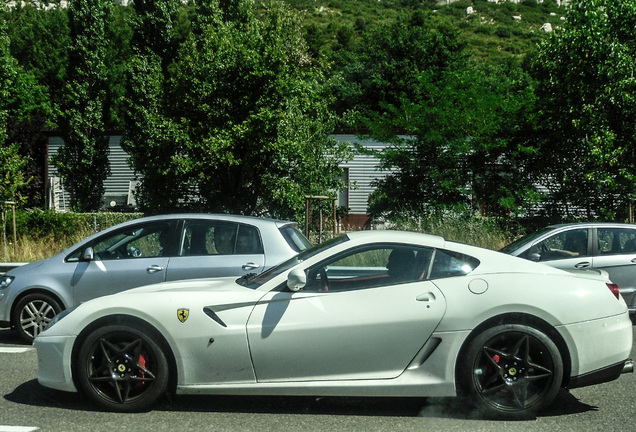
(5, 281)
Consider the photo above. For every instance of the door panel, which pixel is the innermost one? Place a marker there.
(210, 248)
(214, 266)
(99, 278)
(359, 334)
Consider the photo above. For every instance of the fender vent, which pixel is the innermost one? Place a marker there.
(209, 312)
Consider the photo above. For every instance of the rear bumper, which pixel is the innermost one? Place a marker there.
(603, 375)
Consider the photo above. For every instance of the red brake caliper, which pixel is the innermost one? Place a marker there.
(142, 363)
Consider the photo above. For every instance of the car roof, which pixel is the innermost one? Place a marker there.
(592, 224)
(390, 236)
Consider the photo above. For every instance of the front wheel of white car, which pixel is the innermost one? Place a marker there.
(511, 371)
(121, 368)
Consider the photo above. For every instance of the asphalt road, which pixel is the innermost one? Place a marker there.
(27, 406)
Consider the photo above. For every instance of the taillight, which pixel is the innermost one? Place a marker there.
(613, 288)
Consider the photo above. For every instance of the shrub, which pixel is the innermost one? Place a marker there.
(42, 234)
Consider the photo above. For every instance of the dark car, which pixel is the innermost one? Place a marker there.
(607, 246)
(140, 252)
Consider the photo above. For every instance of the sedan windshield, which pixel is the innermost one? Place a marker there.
(256, 281)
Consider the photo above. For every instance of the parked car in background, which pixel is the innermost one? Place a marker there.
(371, 313)
(141, 252)
(607, 246)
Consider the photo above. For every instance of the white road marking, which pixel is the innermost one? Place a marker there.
(13, 350)
(18, 428)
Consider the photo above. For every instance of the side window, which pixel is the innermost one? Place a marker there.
(614, 241)
(135, 242)
(248, 241)
(377, 266)
(567, 244)
(202, 237)
(449, 264)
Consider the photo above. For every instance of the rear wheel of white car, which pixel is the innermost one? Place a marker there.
(121, 368)
(33, 313)
(511, 371)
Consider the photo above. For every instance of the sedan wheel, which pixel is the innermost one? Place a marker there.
(511, 371)
(33, 313)
(122, 369)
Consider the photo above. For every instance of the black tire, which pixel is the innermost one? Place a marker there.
(511, 371)
(122, 369)
(33, 313)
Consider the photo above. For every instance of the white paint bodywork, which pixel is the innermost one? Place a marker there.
(400, 340)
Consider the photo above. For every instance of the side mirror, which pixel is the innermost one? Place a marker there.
(296, 280)
(534, 257)
(88, 254)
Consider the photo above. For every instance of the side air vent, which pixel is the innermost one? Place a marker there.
(209, 312)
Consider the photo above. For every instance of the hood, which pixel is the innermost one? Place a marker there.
(27, 267)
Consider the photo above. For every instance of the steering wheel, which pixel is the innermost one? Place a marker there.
(134, 252)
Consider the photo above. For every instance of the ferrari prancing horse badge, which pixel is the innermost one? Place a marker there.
(183, 314)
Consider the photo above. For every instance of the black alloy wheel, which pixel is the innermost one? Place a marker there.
(121, 368)
(511, 371)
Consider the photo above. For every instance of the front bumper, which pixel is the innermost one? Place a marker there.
(54, 362)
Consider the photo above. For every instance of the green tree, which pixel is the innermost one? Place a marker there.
(458, 146)
(150, 134)
(586, 89)
(454, 125)
(40, 43)
(83, 160)
(11, 163)
(240, 124)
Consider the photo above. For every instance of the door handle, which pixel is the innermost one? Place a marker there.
(582, 265)
(429, 296)
(250, 266)
(154, 269)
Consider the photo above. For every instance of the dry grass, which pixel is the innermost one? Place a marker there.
(476, 231)
(29, 249)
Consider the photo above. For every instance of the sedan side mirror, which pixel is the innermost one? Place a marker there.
(88, 254)
(296, 280)
(534, 257)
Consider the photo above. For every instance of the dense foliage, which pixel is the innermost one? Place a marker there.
(83, 160)
(587, 113)
(234, 118)
(11, 163)
(227, 105)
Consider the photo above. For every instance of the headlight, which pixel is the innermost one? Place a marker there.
(5, 281)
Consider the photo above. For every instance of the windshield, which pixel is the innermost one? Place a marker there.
(256, 281)
(525, 239)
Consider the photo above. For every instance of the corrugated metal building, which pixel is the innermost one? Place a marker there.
(117, 187)
(360, 173)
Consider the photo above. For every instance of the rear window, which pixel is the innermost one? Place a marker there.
(448, 264)
(295, 238)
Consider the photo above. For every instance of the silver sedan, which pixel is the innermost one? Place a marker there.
(141, 252)
(596, 245)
